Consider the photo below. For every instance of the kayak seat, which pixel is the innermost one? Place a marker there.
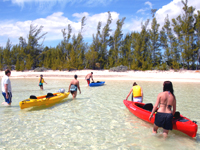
(49, 95)
(98, 81)
(33, 97)
(148, 106)
(177, 114)
(181, 119)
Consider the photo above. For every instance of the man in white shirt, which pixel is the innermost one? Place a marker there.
(6, 88)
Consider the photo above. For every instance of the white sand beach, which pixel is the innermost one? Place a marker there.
(180, 76)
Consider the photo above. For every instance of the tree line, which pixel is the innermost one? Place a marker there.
(175, 45)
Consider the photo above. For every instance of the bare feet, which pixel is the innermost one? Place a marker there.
(5, 104)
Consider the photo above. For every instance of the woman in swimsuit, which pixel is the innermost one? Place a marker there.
(74, 84)
(41, 81)
(165, 101)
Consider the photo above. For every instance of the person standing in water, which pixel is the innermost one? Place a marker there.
(74, 84)
(137, 93)
(88, 76)
(6, 88)
(164, 103)
(41, 81)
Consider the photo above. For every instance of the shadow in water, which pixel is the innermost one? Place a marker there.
(197, 138)
(3, 106)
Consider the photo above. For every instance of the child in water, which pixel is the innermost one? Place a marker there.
(41, 81)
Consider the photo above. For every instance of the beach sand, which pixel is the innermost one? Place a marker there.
(180, 76)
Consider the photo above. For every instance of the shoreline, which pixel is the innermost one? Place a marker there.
(150, 75)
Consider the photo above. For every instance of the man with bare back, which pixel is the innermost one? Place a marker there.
(88, 76)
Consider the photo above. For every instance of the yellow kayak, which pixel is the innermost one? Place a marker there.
(48, 99)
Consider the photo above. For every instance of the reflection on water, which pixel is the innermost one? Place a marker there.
(97, 119)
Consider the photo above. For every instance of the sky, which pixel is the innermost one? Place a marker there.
(16, 16)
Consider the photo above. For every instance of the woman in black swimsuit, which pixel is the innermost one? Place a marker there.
(165, 102)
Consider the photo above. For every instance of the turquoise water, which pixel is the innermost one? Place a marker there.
(97, 119)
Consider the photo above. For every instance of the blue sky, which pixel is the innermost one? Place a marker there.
(55, 15)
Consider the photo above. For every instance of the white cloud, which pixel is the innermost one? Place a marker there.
(53, 24)
(143, 10)
(149, 3)
(134, 25)
(173, 9)
(50, 3)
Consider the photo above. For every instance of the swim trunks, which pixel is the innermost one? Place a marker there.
(40, 84)
(73, 88)
(9, 99)
(88, 81)
(164, 120)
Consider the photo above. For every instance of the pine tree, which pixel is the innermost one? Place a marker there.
(102, 59)
(154, 41)
(197, 29)
(22, 66)
(184, 29)
(141, 54)
(17, 65)
(115, 44)
(170, 46)
(33, 47)
(1, 58)
(125, 51)
(29, 62)
(94, 49)
(7, 54)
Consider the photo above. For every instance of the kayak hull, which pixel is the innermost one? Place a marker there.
(97, 84)
(42, 100)
(182, 123)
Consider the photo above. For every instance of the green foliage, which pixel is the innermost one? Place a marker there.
(175, 46)
(18, 65)
(29, 62)
(154, 43)
(1, 58)
(104, 40)
(115, 44)
(184, 29)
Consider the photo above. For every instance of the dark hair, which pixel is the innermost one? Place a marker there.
(134, 83)
(75, 76)
(41, 75)
(91, 72)
(7, 71)
(167, 86)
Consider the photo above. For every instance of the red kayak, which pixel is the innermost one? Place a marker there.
(180, 122)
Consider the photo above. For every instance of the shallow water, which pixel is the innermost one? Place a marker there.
(97, 119)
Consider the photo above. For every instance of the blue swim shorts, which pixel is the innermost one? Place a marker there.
(9, 99)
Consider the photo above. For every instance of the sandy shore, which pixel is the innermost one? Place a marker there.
(180, 76)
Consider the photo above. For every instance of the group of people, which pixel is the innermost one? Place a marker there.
(165, 106)
(73, 86)
(165, 100)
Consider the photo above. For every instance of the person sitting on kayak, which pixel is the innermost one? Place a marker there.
(137, 95)
(74, 84)
(165, 101)
(88, 76)
(41, 81)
